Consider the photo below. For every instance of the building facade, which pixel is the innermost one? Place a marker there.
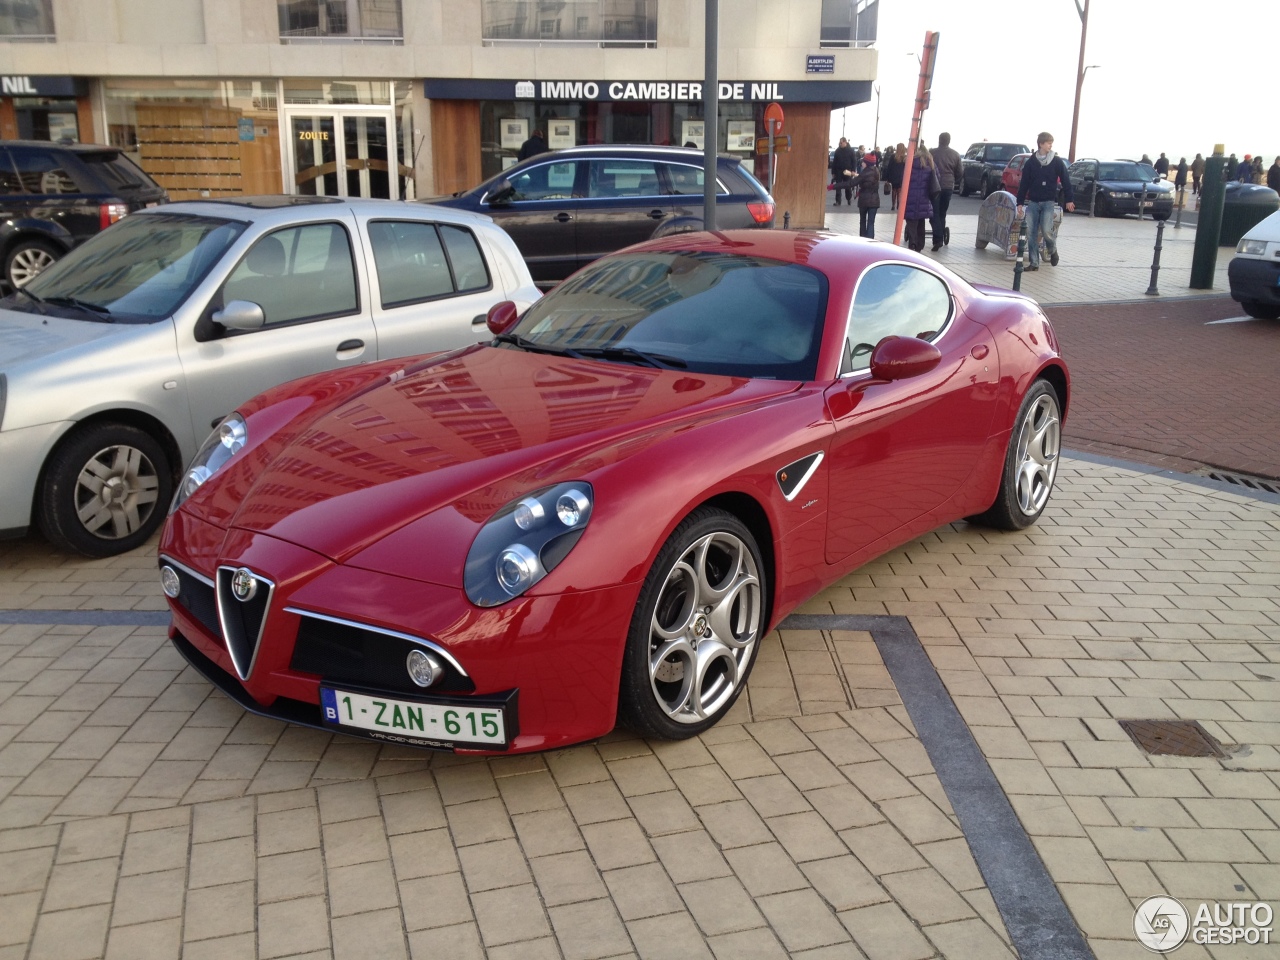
(414, 98)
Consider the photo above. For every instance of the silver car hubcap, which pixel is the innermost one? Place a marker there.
(27, 264)
(1038, 443)
(705, 627)
(116, 492)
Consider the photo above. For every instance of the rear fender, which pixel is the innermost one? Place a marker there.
(32, 228)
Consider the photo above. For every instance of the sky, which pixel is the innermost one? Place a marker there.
(1172, 75)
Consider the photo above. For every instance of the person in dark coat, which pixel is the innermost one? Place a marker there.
(1162, 166)
(1043, 175)
(868, 196)
(1273, 176)
(1197, 171)
(897, 169)
(844, 166)
(919, 197)
(535, 145)
(1244, 171)
(1180, 178)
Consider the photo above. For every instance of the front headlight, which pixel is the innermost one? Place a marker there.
(224, 443)
(524, 541)
(1255, 248)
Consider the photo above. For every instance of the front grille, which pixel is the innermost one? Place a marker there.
(197, 598)
(344, 653)
(242, 620)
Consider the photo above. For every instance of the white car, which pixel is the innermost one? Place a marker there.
(1254, 272)
(117, 360)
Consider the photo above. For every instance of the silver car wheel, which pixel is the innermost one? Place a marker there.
(705, 627)
(1039, 440)
(27, 264)
(116, 492)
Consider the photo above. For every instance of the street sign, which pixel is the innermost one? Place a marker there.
(781, 144)
(773, 118)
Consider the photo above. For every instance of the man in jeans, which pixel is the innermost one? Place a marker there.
(950, 170)
(1041, 176)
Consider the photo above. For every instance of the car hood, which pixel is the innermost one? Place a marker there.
(30, 336)
(474, 429)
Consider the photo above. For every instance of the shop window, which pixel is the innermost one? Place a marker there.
(30, 20)
(378, 21)
(300, 273)
(615, 23)
(849, 23)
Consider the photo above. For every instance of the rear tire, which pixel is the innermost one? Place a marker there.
(27, 260)
(1030, 462)
(1260, 311)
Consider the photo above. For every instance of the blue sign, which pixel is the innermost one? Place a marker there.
(820, 64)
(246, 128)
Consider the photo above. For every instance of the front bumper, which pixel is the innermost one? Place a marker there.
(1254, 281)
(22, 454)
(1160, 208)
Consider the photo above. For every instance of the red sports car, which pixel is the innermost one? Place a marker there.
(597, 516)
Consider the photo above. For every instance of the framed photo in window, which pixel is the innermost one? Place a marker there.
(691, 131)
(741, 135)
(562, 133)
(515, 131)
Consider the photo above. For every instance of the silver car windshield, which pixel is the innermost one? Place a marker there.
(139, 270)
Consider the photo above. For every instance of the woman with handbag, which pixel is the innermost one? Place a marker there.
(923, 187)
(868, 196)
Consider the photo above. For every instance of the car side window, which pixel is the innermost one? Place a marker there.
(546, 181)
(9, 182)
(470, 272)
(893, 299)
(40, 172)
(410, 260)
(975, 152)
(298, 273)
(623, 178)
(686, 180)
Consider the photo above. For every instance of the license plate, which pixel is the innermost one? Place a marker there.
(1148, 203)
(407, 720)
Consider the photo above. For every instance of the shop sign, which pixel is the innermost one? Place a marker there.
(313, 134)
(29, 86)
(837, 92)
(820, 64)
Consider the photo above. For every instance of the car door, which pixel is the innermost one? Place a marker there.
(539, 211)
(1084, 181)
(431, 286)
(304, 278)
(623, 204)
(903, 447)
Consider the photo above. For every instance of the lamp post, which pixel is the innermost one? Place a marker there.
(875, 140)
(1081, 69)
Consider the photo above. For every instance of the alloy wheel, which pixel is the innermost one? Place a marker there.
(28, 264)
(1039, 440)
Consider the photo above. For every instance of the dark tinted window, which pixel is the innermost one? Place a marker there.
(9, 182)
(1121, 171)
(410, 260)
(469, 270)
(42, 172)
(623, 178)
(299, 273)
(116, 170)
(715, 312)
(546, 181)
(1000, 152)
(893, 300)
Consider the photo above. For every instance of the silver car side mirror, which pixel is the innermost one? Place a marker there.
(240, 315)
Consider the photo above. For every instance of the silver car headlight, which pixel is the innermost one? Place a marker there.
(524, 541)
(225, 442)
(1254, 248)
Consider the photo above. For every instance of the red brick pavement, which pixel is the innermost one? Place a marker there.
(1153, 383)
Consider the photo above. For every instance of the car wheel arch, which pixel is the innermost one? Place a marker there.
(1054, 375)
(139, 419)
(756, 519)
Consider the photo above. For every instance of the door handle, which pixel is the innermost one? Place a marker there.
(480, 320)
(346, 345)
(562, 217)
(657, 214)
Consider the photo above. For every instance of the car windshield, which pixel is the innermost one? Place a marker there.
(139, 270)
(1123, 171)
(1003, 151)
(704, 311)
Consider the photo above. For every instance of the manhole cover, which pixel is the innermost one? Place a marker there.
(1174, 738)
(1265, 484)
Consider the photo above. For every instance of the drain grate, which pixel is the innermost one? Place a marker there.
(1265, 484)
(1173, 738)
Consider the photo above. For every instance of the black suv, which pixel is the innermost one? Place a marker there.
(565, 208)
(984, 165)
(54, 196)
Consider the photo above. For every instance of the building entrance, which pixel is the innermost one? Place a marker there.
(342, 153)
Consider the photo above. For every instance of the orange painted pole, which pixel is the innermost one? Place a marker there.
(922, 102)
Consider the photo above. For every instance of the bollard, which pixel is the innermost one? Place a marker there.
(786, 220)
(1022, 249)
(1142, 202)
(1177, 220)
(1153, 291)
(1093, 199)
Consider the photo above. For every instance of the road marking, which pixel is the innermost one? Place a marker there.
(1210, 323)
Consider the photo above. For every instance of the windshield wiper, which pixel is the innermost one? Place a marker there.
(533, 347)
(28, 294)
(82, 304)
(632, 355)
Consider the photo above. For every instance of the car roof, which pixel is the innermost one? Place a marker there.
(62, 145)
(286, 209)
(631, 149)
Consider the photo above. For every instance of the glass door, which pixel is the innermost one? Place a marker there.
(315, 156)
(364, 140)
(343, 153)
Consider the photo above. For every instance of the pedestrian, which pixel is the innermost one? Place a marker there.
(1145, 159)
(1162, 166)
(868, 195)
(1244, 170)
(897, 169)
(950, 170)
(1273, 176)
(1042, 175)
(1257, 169)
(535, 145)
(844, 166)
(1197, 171)
(923, 185)
(1180, 178)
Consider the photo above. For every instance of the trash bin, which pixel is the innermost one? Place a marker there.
(1245, 205)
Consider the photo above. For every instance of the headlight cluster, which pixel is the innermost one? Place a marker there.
(524, 541)
(1255, 248)
(224, 443)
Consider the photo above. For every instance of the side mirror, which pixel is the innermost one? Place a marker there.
(240, 315)
(898, 358)
(501, 192)
(502, 317)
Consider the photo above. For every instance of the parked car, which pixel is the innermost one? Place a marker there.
(1011, 178)
(983, 164)
(54, 196)
(116, 360)
(598, 515)
(1120, 185)
(1254, 272)
(566, 208)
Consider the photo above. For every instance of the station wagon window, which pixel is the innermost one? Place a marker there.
(623, 178)
(298, 273)
(546, 181)
(40, 172)
(893, 299)
(686, 180)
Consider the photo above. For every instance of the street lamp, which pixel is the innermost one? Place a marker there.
(1081, 70)
(875, 140)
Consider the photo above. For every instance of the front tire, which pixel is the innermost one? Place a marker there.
(105, 490)
(697, 626)
(1030, 463)
(27, 260)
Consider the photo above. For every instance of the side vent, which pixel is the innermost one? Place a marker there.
(793, 477)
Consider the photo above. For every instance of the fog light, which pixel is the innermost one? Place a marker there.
(169, 582)
(424, 669)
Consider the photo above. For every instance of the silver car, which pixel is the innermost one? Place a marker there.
(117, 361)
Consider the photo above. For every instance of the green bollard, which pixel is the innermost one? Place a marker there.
(1209, 224)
